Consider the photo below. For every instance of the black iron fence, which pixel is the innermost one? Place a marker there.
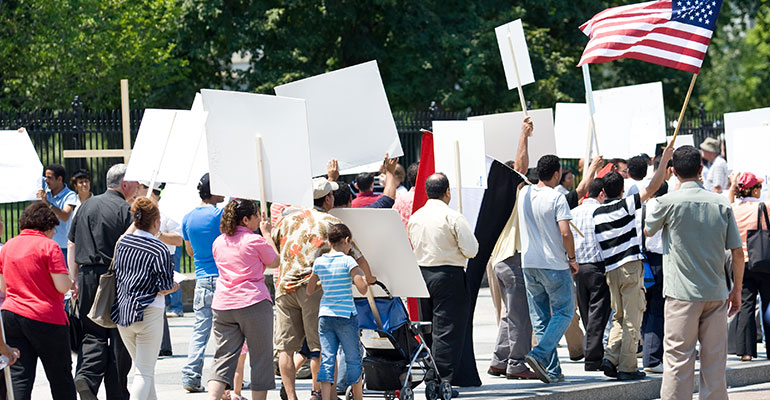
(54, 131)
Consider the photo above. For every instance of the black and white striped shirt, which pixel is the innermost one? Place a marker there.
(616, 231)
(143, 267)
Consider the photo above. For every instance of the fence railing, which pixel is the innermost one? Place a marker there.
(54, 131)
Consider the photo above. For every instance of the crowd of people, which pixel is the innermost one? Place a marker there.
(597, 253)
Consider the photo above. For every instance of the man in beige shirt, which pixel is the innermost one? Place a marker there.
(443, 242)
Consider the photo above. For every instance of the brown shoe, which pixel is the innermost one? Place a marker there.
(745, 357)
(526, 374)
(496, 371)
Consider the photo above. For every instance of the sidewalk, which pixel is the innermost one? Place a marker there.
(578, 384)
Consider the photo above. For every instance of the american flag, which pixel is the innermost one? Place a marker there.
(674, 33)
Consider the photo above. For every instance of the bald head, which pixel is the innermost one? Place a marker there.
(436, 186)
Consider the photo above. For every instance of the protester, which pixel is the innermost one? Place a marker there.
(81, 185)
(548, 256)
(443, 242)
(405, 201)
(300, 238)
(200, 227)
(92, 238)
(716, 178)
(698, 226)
(593, 294)
(365, 184)
(61, 200)
(615, 223)
(336, 273)
(621, 167)
(143, 276)
(400, 174)
(566, 182)
(33, 275)
(637, 170)
(343, 197)
(575, 195)
(241, 305)
(748, 188)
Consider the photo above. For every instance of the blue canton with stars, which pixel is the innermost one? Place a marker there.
(701, 13)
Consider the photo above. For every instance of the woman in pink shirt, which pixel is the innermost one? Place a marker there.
(242, 306)
(747, 189)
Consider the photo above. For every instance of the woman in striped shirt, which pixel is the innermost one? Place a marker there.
(144, 275)
(241, 305)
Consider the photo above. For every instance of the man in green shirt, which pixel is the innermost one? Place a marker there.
(698, 226)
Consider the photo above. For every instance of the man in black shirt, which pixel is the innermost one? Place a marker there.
(98, 224)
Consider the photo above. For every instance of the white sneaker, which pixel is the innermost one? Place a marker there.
(658, 369)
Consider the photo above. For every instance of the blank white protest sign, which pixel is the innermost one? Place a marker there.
(751, 145)
(235, 119)
(570, 129)
(502, 132)
(348, 117)
(473, 166)
(21, 172)
(630, 120)
(516, 30)
(178, 132)
(386, 248)
(681, 140)
(740, 121)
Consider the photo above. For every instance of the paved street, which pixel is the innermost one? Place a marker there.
(578, 384)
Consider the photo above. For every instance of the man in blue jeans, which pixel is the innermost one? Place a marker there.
(199, 229)
(548, 262)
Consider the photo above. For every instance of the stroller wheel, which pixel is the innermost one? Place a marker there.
(446, 390)
(407, 394)
(431, 390)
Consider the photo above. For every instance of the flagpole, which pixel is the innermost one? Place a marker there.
(518, 78)
(684, 107)
(591, 139)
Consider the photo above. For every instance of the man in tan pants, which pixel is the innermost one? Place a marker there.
(698, 226)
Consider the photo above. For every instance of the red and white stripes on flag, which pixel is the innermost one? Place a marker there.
(674, 34)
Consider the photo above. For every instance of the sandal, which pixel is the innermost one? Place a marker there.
(315, 395)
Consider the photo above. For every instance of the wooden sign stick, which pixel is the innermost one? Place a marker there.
(459, 177)
(684, 107)
(160, 162)
(261, 175)
(518, 78)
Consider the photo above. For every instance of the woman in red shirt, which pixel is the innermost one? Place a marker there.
(34, 277)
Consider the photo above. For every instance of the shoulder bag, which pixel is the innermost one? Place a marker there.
(101, 309)
(758, 244)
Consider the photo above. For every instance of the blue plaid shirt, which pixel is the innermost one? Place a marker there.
(586, 248)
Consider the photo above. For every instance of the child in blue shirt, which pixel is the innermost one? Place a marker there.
(336, 272)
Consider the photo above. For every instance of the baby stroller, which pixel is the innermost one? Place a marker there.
(396, 358)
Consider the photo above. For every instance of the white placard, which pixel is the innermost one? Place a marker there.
(470, 134)
(348, 117)
(502, 132)
(178, 199)
(235, 119)
(751, 144)
(21, 172)
(681, 140)
(516, 30)
(178, 132)
(571, 129)
(738, 121)
(630, 120)
(386, 248)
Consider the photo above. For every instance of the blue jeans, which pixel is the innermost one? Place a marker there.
(174, 300)
(204, 293)
(338, 332)
(549, 291)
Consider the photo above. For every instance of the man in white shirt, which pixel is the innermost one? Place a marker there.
(548, 261)
(637, 171)
(443, 242)
(716, 179)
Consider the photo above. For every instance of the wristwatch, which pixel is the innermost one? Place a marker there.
(157, 235)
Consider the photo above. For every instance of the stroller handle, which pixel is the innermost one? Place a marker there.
(385, 289)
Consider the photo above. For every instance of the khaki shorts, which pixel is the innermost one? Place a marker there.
(296, 318)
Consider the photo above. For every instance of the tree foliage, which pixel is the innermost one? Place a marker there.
(427, 50)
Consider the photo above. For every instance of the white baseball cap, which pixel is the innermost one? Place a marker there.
(322, 187)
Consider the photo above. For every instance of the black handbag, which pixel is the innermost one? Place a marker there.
(758, 244)
(76, 327)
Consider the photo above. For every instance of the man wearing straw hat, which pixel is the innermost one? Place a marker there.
(716, 178)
